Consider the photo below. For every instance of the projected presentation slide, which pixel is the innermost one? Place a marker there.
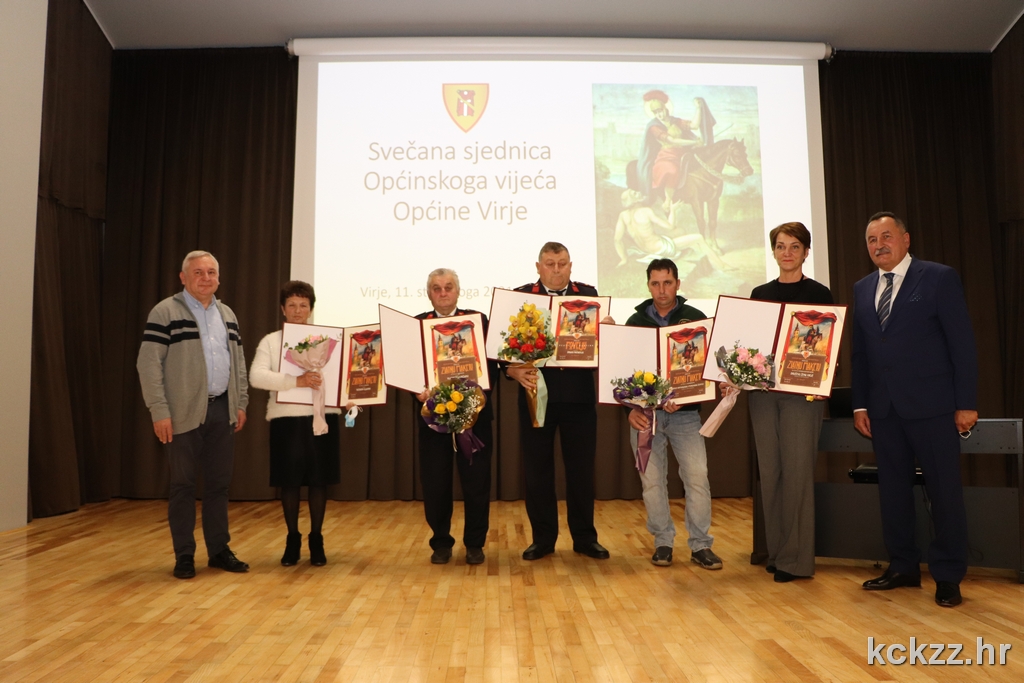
(474, 165)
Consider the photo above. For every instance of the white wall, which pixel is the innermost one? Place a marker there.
(22, 52)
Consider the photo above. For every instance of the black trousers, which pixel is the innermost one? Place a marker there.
(210, 446)
(576, 424)
(436, 458)
(935, 445)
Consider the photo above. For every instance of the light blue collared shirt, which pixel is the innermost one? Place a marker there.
(214, 335)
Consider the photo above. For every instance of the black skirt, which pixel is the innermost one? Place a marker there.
(297, 458)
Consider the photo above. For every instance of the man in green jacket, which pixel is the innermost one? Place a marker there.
(679, 425)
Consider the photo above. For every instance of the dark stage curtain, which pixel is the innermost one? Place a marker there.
(1008, 131)
(912, 134)
(202, 148)
(67, 464)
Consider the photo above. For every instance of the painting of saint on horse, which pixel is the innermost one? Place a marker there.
(682, 188)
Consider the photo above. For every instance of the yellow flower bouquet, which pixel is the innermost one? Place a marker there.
(453, 408)
(528, 340)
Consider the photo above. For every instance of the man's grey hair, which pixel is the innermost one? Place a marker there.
(888, 214)
(441, 272)
(193, 255)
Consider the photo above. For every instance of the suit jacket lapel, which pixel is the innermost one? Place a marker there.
(868, 303)
(906, 289)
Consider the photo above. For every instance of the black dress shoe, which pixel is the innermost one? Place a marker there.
(594, 550)
(786, 577)
(185, 567)
(770, 568)
(441, 556)
(891, 579)
(227, 561)
(536, 551)
(947, 594)
(475, 556)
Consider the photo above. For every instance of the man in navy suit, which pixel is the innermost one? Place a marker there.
(915, 376)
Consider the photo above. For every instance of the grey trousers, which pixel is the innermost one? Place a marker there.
(210, 446)
(786, 430)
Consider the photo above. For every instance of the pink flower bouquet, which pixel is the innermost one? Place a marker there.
(744, 368)
(312, 354)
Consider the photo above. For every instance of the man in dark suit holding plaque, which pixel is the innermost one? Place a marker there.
(915, 374)
(571, 411)
(436, 452)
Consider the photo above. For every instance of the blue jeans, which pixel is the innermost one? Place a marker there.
(682, 430)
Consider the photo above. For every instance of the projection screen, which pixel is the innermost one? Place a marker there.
(414, 154)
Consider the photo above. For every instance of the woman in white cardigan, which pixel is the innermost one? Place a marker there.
(297, 457)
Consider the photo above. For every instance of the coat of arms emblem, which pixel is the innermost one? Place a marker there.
(465, 102)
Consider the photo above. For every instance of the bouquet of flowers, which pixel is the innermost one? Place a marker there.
(742, 368)
(453, 408)
(646, 392)
(747, 367)
(528, 340)
(312, 354)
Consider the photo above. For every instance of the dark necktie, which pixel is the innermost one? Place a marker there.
(560, 292)
(885, 301)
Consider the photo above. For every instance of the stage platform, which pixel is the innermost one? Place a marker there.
(89, 596)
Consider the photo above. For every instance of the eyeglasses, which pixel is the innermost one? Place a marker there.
(965, 435)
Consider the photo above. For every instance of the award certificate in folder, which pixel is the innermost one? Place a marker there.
(573, 323)
(677, 353)
(802, 341)
(362, 373)
(421, 354)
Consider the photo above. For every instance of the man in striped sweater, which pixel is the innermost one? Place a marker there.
(193, 381)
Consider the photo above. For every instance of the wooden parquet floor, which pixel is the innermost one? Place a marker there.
(89, 596)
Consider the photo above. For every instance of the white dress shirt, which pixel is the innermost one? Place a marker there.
(900, 271)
